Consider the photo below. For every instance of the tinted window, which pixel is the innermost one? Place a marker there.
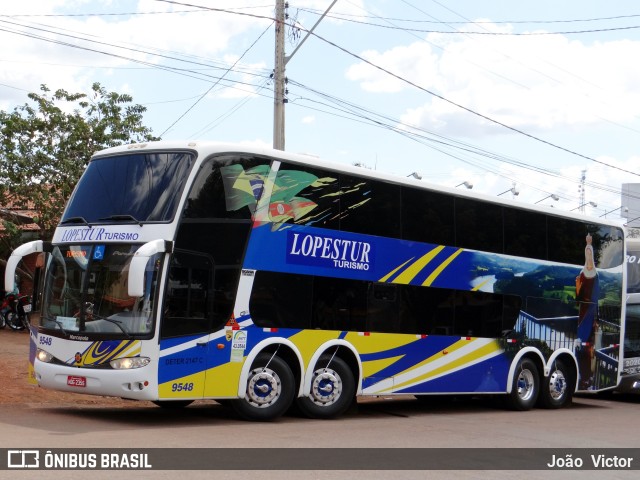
(146, 187)
(479, 225)
(566, 240)
(608, 246)
(369, 207)
(525, 233)
(305, 196)
(427, 217)
(633, 271)
(187, 302)
(227, 187)
(218, 219)
(281, 300)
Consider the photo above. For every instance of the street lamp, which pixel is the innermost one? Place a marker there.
(513, 190)
(553, 196)
(415, 175)
(593, 204)
(467, 184)
(624, 209)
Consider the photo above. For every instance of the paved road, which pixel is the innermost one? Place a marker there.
(400, 424)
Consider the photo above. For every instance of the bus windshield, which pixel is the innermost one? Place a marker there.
(85, 290)
(135, 187)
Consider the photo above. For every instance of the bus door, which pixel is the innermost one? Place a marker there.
(185, 326)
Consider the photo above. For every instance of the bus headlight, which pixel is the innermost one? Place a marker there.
(43, 356)
(128, 363)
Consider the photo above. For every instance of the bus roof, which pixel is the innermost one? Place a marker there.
(207, 148)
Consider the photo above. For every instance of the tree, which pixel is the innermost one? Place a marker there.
(45, 145)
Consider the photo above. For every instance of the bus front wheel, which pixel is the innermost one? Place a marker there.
(526, 386)
(270, 389)
(332, 389)
(557, 388)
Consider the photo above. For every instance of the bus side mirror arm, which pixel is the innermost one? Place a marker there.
(37, 246)
(138, 265)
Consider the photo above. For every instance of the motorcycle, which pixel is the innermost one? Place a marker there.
(15, 311)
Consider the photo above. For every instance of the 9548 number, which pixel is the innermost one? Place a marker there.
(182, 387)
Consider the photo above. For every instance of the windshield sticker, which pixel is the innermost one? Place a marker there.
(98, 252)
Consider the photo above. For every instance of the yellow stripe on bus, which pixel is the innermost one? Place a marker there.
(467, 360)
(219, 380)
(378, 342)
(442, 266)
(410, 273)
(392, 272)
(369, 369)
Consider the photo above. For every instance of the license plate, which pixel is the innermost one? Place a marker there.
(27, 308)
(75, 381)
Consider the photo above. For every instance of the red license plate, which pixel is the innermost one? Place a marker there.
(74, 381)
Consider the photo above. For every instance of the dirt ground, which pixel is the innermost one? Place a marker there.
(15, 387)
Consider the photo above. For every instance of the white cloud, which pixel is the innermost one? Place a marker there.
(309, 119)
(535, 83)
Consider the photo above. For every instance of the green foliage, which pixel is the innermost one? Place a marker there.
(46, 144)
(9, 238)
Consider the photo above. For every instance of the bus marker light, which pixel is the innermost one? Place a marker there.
(364, 334)
(269, 329)
(444, 352)
(220, 346)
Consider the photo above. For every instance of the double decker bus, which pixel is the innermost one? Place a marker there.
(263, 279)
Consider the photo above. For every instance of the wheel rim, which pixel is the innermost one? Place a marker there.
(526, 385)
(557, 385)
(326, 387)
(264, 387)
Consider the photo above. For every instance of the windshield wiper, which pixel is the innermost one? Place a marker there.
(115, 322)
(58, 323)
(122, 218)
(76, 220)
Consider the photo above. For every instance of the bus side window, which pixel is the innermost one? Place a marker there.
(186, 308)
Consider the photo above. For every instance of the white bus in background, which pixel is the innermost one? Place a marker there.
(630, 379)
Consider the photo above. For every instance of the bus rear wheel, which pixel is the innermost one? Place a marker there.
(270, 389)
(332, 389)
(557, 388)
(526, 386)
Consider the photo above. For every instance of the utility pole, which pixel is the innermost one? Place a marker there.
(279, 78)
(582, 203)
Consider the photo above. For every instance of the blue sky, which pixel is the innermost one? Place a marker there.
(492, 92)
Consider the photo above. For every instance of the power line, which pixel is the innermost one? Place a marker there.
(218, 81)
(345, 17)
(490, 33)
(467, 109)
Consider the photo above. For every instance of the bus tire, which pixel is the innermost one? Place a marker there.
(526, 386)
(270, 389)
(172, 404)
(332, 389)
(557, 388)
